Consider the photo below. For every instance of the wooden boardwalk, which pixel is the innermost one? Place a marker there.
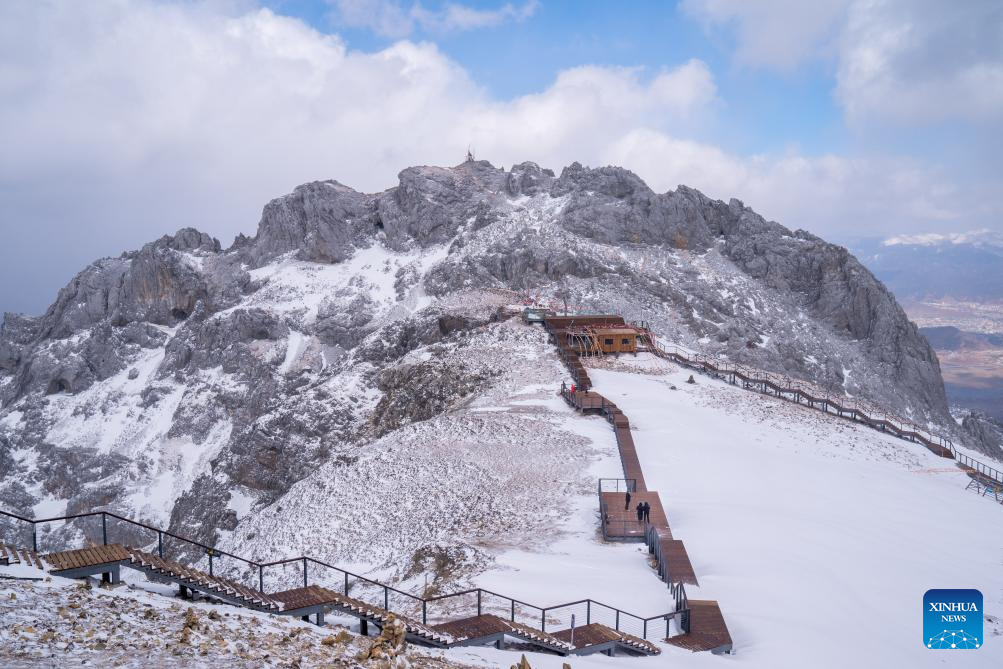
(799, 392)
(704, 627)
(591, 402)
(673, 561)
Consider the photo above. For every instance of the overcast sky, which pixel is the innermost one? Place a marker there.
(124, 120)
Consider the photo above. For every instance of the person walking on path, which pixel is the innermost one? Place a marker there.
(647, 512)
(640, 512)
(627, 505)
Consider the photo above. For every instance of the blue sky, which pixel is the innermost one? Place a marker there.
(125, 120)
(769, 109)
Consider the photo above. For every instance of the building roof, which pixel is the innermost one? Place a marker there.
(615, 331)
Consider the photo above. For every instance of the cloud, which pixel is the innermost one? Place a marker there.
(829, 195)
(384, 17)
(390, 18)
(900, 61)
(124, 121)
(456, 17)
(981, 236)
(921, 61)
(777, 34)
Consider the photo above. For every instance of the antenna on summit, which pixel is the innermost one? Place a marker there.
(470, 155)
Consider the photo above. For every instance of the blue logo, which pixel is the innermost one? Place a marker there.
(952, 619)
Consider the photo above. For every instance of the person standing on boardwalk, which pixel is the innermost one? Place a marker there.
(647, 512)
(640, 512)
(627, 505)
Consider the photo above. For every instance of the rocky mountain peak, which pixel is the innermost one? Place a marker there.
(211, 371)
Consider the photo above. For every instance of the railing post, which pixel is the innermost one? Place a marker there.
(543, 620)
(261, 578)
(513, 610)
(104, 528)
(304, 572)
(478, 601)
(644, 634)
(424, 612)
(588, 612)
(346, 582)
(34, 537)
(160, 544)
(210, 561)
(386, 598)
(617, 627)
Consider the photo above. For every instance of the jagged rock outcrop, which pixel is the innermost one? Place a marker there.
(390, 643)
(321, 221)
(984, 433)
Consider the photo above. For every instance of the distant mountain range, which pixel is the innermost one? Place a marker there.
(962, 266)
(952, 286)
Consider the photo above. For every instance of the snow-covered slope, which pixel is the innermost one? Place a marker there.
(55, 621)
(818, 537)
(350, 382)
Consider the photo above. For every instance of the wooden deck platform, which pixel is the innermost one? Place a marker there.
(85, 558)
(105, 560)
(707, 629)
(596, 638)
(622, 524)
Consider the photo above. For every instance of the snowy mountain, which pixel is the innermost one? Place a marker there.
(351, 384)
(794, 520)
(959, 266)
(219, 391)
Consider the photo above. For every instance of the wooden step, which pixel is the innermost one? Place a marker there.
(14, 555)
(490, 628)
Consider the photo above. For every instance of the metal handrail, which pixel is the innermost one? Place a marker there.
(629, 485)
(305, 560)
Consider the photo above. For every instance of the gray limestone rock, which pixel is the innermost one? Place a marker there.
(321, 221)
(984, 433)
(343, 317)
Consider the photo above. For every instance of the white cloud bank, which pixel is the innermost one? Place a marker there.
(121, 121)
(904, 61)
